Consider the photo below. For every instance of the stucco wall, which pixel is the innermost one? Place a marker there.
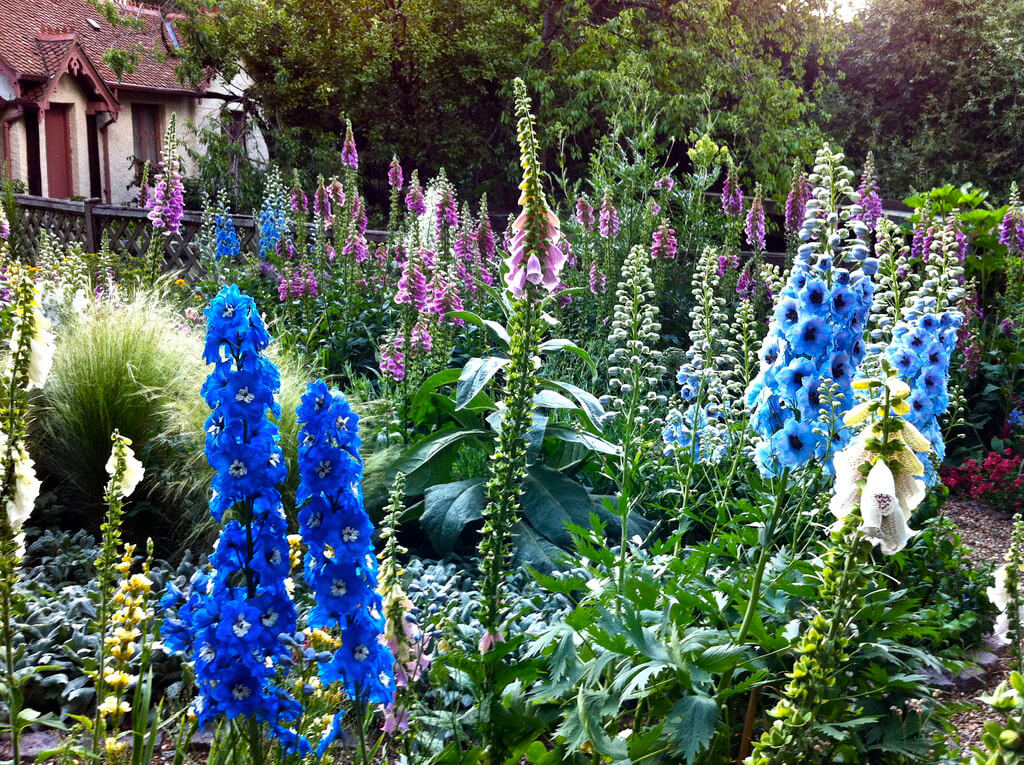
(18, 159)
(121, 137)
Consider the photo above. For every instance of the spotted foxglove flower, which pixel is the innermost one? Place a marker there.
(598, 281)
(395, 178)
(26, 490)
(870, 199)
(536, 253)
(796, 203)
(732, 194)
(5, 225)
(585, 213)
(878, 473)
(414, 200)
(166, 202)
(608, 218)
(663, 242)
(755, 225)
(349, 155)
(1011, 229)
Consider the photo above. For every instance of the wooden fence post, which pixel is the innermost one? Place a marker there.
(91, 232)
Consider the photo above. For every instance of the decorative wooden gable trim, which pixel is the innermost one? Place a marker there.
(76, 63)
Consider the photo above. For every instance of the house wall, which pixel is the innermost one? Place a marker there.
(121, 137)
(190, 113)
(18, 159)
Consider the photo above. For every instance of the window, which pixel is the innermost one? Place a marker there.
(233, 126)
(146, 124)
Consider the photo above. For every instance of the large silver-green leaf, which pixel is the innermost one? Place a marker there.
(426, 462)
(448, 509)
(475, 375)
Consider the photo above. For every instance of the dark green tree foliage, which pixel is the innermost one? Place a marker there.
(746, 71)
(420, 78)
(427, 79)
(934, 88)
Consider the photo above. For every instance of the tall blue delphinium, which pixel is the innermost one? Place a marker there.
(238, 620)
(815, 342)
(226, 237)
(274, 213)
(925, 337)
(341, 567)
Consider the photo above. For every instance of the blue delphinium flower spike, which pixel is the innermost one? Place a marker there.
(815, 340)
(237, 620)
(341, 567)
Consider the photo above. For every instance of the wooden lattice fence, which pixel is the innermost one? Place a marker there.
(129, 230)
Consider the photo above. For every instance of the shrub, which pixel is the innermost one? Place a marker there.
(134, 368)
(998, 481)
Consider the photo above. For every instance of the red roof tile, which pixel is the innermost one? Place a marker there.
(35, 35)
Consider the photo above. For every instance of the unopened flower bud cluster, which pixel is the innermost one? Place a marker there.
(635, 372)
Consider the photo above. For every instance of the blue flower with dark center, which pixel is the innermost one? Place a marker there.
(815, 297)
(794, 444)
(814, 340)
(920, 349)
(788, 312)
(811, 337)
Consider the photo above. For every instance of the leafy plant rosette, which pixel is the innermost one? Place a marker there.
(563, 442)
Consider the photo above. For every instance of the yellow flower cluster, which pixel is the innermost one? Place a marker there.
(295, 551)
(706, 153)
(126, 639)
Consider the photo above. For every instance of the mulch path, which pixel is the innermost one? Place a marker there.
(986, 533)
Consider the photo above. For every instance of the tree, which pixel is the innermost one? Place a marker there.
(934, 88)
(428, 79)
(747, 71)
(421, 78)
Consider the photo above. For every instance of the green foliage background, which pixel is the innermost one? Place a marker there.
(427, 79)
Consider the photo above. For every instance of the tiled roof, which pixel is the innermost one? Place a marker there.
(35, 36)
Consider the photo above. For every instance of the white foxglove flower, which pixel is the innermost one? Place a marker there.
(884, 521)
(26, 491)
(42, 350)
(133, 469)
(999, 594)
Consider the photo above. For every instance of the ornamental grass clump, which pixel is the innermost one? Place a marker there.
(340, 565)
(814, 342)
(124, 366)
(232, 620)
(878, 485)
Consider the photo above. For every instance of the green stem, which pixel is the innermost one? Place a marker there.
(256, 742)
(13, 703)
(755, 584)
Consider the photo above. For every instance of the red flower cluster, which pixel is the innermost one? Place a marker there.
(996, 482)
